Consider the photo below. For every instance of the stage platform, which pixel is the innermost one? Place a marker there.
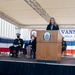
(24, 66)
(68, 60)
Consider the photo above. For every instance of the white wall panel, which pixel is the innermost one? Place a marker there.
(7, 29)
(24, 34)
(0, 27)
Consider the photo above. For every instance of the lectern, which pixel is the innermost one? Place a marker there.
(49, 45)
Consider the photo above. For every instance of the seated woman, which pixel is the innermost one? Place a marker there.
(31, 48)
(28, 52)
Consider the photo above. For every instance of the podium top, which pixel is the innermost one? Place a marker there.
(49, 36)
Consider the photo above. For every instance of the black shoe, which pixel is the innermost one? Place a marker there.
(11, 55)
(16, 56)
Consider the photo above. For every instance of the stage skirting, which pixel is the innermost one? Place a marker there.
(35, 68)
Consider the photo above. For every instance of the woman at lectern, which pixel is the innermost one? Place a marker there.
(52, 25)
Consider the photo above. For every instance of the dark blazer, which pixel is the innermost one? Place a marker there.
(54, 27)
(33, 43)
(18, 42)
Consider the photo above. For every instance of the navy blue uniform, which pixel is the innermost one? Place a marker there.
(17, 45)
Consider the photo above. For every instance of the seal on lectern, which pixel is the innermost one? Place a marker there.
(47, 36)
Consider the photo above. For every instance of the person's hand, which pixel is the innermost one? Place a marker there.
(15, 45)
(30, 45)
(19, 44)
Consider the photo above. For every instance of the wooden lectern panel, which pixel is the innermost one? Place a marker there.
(51, 49)
(55, 36)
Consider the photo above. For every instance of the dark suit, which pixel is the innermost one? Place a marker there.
(17, 45)
(53, 28)
(33, 43)
(64, 45)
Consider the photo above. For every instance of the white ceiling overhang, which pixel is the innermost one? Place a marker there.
(23, 14)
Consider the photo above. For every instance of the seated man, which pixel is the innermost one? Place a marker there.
(17, 45)
(64, 45)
